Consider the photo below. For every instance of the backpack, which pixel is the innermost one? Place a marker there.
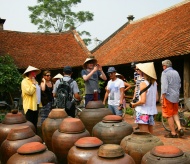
(64, 94)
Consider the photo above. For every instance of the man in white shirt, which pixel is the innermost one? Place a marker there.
(114, 92)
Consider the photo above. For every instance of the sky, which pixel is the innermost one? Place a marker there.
(109, 15)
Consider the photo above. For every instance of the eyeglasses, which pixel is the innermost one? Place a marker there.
(47, 75)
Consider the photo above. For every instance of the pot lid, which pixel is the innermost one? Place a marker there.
(57, 113)
(71, 125)
(20, 133)
(88, 142)
(112, 118)
(166, 151)
(14, 118)
(31, 148)
(110, 151)
(95, 105)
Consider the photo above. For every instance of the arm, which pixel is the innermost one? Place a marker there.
(87, 77)
(102, 76)
(28, 87)
(106, 95)
(142, 96)
(127, 86)
(43, 84)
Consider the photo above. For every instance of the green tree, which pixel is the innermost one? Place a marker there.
(10, 78)
(58, 16)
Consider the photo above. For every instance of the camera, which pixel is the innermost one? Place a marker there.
(135, 100)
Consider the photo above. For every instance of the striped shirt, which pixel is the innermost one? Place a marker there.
(170, 84)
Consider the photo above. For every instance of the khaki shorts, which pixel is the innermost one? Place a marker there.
(169, 109)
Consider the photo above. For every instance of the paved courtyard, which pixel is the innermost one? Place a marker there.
(182, 143)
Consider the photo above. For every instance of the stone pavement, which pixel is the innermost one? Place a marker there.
(183, 143)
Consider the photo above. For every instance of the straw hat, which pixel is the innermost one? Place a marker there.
(30, 68)
(148, 68)
(89, 59)
(58, 76)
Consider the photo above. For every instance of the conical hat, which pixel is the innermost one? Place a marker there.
(58, 76)
(30, 68)
(89, 59)
(147, 68)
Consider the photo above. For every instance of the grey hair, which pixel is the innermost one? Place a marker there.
(167, 63)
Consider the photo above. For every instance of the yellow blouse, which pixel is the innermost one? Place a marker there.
(29, 95)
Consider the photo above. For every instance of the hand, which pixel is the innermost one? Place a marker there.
(95, 68)
(44, 80)
(120, 107)
(33, 80)
(99, 67)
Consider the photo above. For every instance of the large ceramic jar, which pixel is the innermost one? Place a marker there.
(51, 124)
(166, 154)
(111, 153)
(69, 131)
(16, 138)
(83, 149)
(93, 113)
(138, 144)
(112, 129)
(34, 153)
(13, 120)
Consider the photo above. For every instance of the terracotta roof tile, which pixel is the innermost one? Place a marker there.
(44, 51)
(161, 35)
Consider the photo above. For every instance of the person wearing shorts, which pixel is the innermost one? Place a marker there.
(145, 107)
(170, 90)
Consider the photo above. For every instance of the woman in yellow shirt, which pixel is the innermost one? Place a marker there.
(30, 94)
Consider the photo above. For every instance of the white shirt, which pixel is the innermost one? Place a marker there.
(150, 105)
(114, 88)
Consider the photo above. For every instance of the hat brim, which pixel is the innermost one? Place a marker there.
(58, 76)
(148, 69)
(30, 69)
(87, 60)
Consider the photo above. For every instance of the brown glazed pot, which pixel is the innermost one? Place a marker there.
(166, 154)
(93, 113)
(83, 149)
(111, 153)
(34, 153)
(51, 124)
(69, 131)
(138, 144)
(13, 120)
(16, 138)
(112, 129)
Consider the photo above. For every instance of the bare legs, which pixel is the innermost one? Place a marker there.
(146, 128)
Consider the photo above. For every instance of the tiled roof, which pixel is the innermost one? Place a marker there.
(165, 34)
(43, 50)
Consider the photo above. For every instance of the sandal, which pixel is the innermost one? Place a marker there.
(181, 132)
(170, 135)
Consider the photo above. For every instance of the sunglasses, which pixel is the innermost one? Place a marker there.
(47, 75)
(110, 73)
(137, 69)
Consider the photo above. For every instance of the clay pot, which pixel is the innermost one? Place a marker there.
(51, 124)
(138, 144)
(69, 131)
(16, 138)
(33, 152)
(111, 153)
(93, 113)
(13, 120)
(165, 154)
(112, 129)
(83, 149)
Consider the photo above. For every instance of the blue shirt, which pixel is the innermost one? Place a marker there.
(170, 84)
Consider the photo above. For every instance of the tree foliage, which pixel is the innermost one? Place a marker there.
(58, 16)
(10, 78)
